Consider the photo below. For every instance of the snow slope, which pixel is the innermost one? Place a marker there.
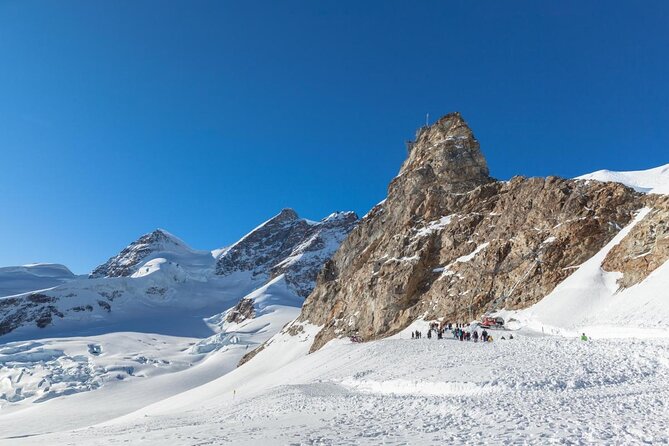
(400, 391)
(66, 379)
(590, 301)
(655, 181)
(37, 276)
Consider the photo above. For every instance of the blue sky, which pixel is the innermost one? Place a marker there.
(206, 118)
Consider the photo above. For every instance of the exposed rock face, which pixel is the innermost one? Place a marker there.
(447, 153)
(290, 245)
(35, 307)
(265, 246)
(242, 311)
(451, 242)
(645, 248)
(125, 263)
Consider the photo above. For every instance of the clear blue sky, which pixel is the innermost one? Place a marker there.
(205, 118)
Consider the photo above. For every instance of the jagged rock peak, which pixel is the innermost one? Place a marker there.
(286, 214)
(448, 152)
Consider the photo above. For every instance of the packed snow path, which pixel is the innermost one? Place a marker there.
(530, 390)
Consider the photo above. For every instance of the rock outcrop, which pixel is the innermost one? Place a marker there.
(645, 248)
(34, 307)
(242, 311)
(449, 241)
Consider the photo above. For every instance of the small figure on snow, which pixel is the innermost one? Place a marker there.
(584, 337)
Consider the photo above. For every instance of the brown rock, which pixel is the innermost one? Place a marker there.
(645, 248)
(242, 311)
(451, 242)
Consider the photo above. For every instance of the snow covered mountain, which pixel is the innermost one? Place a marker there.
(165, 305)
(159, 284)
(37, 276)
(652, 181)
(158, 244)
(289, 245)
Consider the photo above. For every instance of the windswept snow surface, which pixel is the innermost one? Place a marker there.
(33, 277)
(654, 180)
(150, 323)
(530, 390)
(275, 304)
(77, 382)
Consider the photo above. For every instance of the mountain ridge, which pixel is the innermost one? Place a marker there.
(159, 274)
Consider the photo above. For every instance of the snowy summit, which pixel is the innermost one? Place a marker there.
(651, 181)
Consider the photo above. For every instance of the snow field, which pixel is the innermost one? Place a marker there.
(654, 181)
(530, 390)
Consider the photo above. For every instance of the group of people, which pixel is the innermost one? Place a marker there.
(458, 331)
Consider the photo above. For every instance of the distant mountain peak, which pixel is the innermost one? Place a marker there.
(286, 214)
(161, 235)
(290, 245)
(125, 263)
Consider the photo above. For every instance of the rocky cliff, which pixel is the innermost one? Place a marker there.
(645, 248)
(449, 241)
